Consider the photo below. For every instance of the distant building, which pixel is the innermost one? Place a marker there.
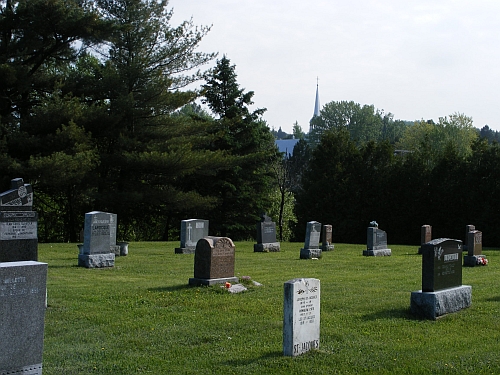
(316, 108)
(286, 145)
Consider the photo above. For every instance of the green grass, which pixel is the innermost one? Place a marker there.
(141, 317)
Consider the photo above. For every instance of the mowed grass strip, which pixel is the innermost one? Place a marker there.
(141, 317)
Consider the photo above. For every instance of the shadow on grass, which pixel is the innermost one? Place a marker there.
(493, 299)
(174, 288)
(249, 361)
(391, 314)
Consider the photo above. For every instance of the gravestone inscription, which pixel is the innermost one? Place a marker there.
(213, 261)
(18, 224)
(326, 238)
(442, 290)
(311, 247)
(301, 316)
(96, 251)
(192, 230)
(266, 236)
(22, 316)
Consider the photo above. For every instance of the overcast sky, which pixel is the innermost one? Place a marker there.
(418, 59)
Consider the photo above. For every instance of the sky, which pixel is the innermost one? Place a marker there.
(417, 59)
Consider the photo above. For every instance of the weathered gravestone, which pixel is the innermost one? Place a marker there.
(96, 250)
(192, 231)
(301, 316)
(376, 241)
(18, 223)
(213, 261)
(22, 316)
(326, 238)
(442, 290)
(474, 255)
(266, 236)
(311, 247)
(425, 236)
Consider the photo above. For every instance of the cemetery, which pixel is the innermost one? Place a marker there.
(142, 316)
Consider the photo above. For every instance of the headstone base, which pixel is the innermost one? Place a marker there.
(96, 260)
(327, 247)
(185, 250)
(377, 253)
(196, 281)
(115, 249)
(310, 253)
(26, 370)
(270, 247)
(431, 305)
(471, 260)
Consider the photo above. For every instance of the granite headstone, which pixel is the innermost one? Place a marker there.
(18, 224)
(442, 290)
(376, 242)
(192, 230)
(266, 236)
(22, 316)
(425, 236)
(468, 228)
(327, 238)
(301, 316)
(96, 251)
(214, 261)
(311, 247)
(475, 249)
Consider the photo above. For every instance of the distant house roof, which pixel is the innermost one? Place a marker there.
(286, 145)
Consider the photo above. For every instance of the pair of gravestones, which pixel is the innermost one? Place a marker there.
(315, 231)
(23, 283)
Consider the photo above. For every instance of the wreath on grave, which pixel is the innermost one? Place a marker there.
(481, 261)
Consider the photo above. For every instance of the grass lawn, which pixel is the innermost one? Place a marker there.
(141, 317)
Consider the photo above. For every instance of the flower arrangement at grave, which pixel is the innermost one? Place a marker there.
(481, 261)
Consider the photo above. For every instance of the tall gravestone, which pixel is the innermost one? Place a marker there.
(18, 223)
(301, 316)
(425, 236)
(192, 230)
(442, 290)
(113, 227)
(96, 250)
(327, 238)
(311, 247)
(266, 236)
(213, 261)
(474, 255)
(22, 316)
(468, 228)
(376, 241)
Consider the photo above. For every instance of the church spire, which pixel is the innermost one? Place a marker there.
(316, 103)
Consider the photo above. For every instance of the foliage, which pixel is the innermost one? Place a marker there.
(142, 317)
(282, 206)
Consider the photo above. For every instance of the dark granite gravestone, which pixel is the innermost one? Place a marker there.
(311, 247)
(213, 261)
(266, 236)
(376, 242)
(192, 230)
(468, 228)
(96, 250)
(425, 236)
(18, 224)
(301, 316)
(326, 238)
(474, 255)
(442, 290)
(22, 316)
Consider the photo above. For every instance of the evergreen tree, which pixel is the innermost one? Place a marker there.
(244, 188)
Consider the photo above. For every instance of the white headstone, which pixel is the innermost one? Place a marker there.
(301, 316)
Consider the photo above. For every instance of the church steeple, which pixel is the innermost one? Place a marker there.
(316, 107)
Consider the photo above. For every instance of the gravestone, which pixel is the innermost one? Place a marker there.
(96, 250)
(213, 261)
(22, 316)
(192, 230)
(311, 247)
(326, 238)
(468, 228)
(442, 290)
(376, 241)
(266, 236)
(113, 224)
(18, 223)
(301, 316)
(474, 255)
(425, 236)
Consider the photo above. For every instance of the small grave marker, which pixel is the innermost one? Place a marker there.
(425, 236)
(376, 242)
(326, 238)
(311, 247)
(266, 236)
(192, 230)
(96, 250)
